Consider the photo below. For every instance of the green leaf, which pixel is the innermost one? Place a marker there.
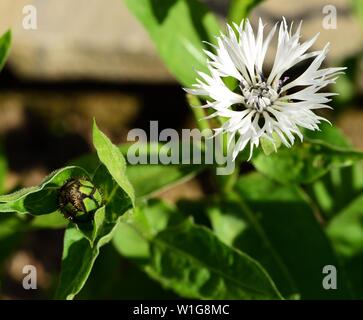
(150, 179)
(240, 9)
(5, 42)
(193, 262)
(130, 242)
(293, 233)
(178, 28)
(134, 231)
(77, 261)
(187, 254)
(305, 162)
(331, 135)
(116, 199)
(78, 258)
(81, 249)
(340, 186)
(237, 225)
(123, 281)
(112, 159)
(90, 161)
(50, 221)
(42, 199)
(227, 227)
(147, 179)
(358, 10)
(346, 233)
(346, 229)
(82, 242)
(336, 190)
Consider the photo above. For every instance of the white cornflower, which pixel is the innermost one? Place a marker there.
(263, 106)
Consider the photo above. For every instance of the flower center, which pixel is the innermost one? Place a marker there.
(258, 96)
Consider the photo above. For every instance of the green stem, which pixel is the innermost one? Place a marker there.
(226, 183)
(198, 113)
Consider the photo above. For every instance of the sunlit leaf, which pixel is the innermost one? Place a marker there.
(178, 29)
(192, 261)
(82, 242)
(305, 162)
(42, 199)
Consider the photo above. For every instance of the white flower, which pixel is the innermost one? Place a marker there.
(263, 106)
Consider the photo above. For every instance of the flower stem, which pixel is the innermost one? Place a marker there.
(226, 183)
(198, 112)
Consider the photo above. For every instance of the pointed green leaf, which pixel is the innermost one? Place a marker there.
(112, 158)
(147, 179)
(82, 242)
(193, 262)
(80, 252)
(42, 199)
(182, 257)
(178, 29)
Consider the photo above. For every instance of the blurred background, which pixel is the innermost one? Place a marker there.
(91, 58)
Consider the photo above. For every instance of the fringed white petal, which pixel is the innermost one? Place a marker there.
(261, 107)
